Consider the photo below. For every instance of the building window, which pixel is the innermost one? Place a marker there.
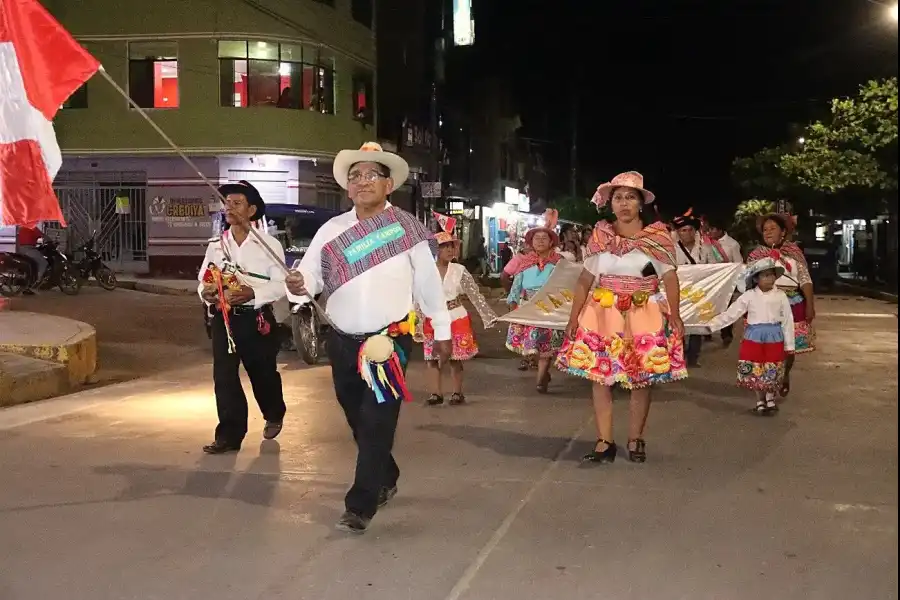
(364, 97)
(153, 74)
(277, 75)
(362, 11)
(78, 99)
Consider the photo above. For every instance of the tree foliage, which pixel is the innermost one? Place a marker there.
(577, 210)
(857, 147)
(744, 227)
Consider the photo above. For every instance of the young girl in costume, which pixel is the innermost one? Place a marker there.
(532, 273)
(768, 333)
(458, 282)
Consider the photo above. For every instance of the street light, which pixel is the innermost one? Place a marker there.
(801, 141)
(892, 12)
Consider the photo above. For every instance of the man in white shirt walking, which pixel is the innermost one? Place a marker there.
(371, 265)
(723, 249)
(244, 329)
(689, 250)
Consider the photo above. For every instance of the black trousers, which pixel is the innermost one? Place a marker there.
(258, 353)
(373, 424)
(692, 347)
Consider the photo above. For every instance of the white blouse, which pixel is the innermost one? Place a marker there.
(631, 264)
(459, 282)
(760, 307)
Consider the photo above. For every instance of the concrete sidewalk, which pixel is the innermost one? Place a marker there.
(107, 497)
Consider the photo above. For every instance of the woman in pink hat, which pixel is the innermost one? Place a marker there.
(532, 273)
(622, 330)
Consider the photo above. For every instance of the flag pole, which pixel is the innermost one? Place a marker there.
(275, 258)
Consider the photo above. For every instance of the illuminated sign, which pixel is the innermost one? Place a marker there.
(463, 23)
(511, 196)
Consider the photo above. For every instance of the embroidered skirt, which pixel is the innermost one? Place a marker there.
(804, 334)
(624, 338)
(464, 345)
(528, 340)
(761, 358)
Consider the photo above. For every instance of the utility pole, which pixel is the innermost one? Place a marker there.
(440, 46)
(573, 152)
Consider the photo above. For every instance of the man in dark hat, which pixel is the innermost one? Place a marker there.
(243, 324)
(689, 250)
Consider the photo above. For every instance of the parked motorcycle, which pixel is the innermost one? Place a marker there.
(18, 272)
(91, 265)
(309, 333)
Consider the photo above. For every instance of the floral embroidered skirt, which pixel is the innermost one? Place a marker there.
(804, 334)
(528, 340)
(634, 348)
(761, 358)
(464, 345)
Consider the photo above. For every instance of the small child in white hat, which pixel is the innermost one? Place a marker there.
(768, 333)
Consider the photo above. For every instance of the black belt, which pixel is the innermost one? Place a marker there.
(246, 309)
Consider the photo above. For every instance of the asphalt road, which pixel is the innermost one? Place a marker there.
(106, 495)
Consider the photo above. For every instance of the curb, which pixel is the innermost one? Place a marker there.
(866, 292)
(151, 288)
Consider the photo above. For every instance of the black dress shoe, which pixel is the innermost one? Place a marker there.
(220, 447)
(386, 495)
(351, 522)
(272, 429)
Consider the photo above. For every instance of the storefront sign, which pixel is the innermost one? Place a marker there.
(431, 189)
(179, 213)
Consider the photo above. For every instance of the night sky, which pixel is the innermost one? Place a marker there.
(677, 88)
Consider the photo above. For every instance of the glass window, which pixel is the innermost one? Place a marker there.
(362, 11)
(78, 99)
(153, 74)
(364, 97)
(271, 74)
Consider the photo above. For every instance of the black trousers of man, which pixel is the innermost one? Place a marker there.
(258, 353)
(692, 346)
(373, 424)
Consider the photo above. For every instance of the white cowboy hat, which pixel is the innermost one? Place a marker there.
(763, 264)
(370, 152)
(631, 179)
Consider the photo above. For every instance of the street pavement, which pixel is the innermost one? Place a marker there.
(106, 496)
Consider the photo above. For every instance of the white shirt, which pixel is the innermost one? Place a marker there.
(459, 282)
(732, 248)
(382, 295)
(631, 264)
(257, 268)
(699, 253)
(760, 307)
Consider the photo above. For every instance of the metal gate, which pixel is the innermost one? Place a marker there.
(121, 232)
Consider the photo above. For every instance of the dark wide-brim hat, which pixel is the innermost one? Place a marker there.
(686, 221)
(250, 193)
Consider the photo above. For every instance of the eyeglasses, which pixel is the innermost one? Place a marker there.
(368, 177)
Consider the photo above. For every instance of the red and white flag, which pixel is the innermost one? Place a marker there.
(41, 65)
(447, 223)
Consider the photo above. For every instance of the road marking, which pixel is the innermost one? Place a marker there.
(462, 586)
(859, 315)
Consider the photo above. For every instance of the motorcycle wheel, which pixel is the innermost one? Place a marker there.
(305, 330)
(10, 288)
(69, 283)
(106, 278)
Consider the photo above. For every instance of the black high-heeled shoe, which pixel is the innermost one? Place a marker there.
(604, 457)
(639, 453)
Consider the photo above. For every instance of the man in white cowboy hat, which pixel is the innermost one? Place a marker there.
(371, 265)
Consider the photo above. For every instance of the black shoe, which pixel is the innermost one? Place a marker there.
(607, 456)
(638, 454)
(351, 522)
(386, 495)
(28, 292)
(220, 447)
(272, 429)
(434, 400)
(457, 399)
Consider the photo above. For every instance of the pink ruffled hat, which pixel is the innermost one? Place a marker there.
(630, 179)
